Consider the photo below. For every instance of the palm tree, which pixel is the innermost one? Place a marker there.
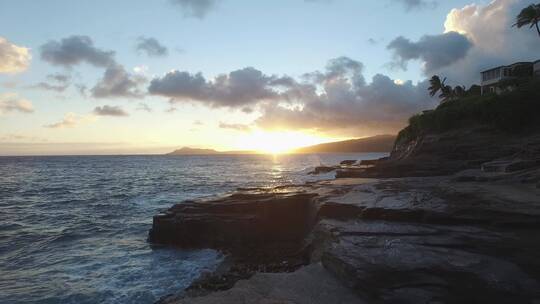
(437, 85)
(529, 16)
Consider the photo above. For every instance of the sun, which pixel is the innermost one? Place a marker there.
(277, 142)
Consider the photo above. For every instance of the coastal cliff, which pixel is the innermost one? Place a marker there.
(452, 216)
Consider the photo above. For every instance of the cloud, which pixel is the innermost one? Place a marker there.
(140, 69)
(345, 104)
(14, 137)
(110, 111)
(74, 50)
(117, 82)
(13, 58)
(143, 107)
(11, 102)
(236, 127)
(151, 47)
(171, 110)
(49, 87)
(195, 8)
(62, 78)
(434, 52)
(71, 120)
(417, 4)
(335, 100)
(495, 41)
(9, 84)
(82, 88)
(477, 37)
(236, 89)
(60, 83)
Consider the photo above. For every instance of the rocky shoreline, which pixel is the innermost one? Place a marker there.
(469, 234)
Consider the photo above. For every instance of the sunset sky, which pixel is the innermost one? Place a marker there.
(139, 76)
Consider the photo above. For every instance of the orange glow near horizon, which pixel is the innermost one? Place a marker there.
(278, 142)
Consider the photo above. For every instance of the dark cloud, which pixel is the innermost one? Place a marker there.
(434, 52)
(417, 4)
(195, 8)
(57, 83)
(110, 111)
(372, 41)
(247, 110)
(151, 47)
(74, 50)
(61, 78)
(337, 99)
(350, 107)
(49, 87)
(236, 89)
(117, 82)
(236, 127)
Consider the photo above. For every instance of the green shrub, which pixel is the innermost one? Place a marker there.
(513, 111)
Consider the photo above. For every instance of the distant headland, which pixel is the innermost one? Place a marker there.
(379, 143)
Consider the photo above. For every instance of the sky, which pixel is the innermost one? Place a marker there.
(139, 76)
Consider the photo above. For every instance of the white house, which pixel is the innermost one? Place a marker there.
(492, 78)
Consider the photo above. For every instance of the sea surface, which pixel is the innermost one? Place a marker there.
(73, 229)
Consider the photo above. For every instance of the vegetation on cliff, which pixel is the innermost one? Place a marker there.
(513, 111)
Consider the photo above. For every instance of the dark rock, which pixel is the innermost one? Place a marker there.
(519, 165)
(410, 263)
(495, 166)
(247, 224)
(348, 162)
(370, 162)
(322, 169)
(446, 153)
(338, 211)
(350, 173)
(465, 178)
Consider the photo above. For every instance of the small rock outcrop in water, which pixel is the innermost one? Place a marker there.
(257, 224)
(322, 170)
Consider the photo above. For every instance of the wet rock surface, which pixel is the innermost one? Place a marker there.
(312, 284)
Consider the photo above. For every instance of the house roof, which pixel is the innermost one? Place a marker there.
(513, 64)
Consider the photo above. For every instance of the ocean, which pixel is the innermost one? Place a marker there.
(73, 229)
